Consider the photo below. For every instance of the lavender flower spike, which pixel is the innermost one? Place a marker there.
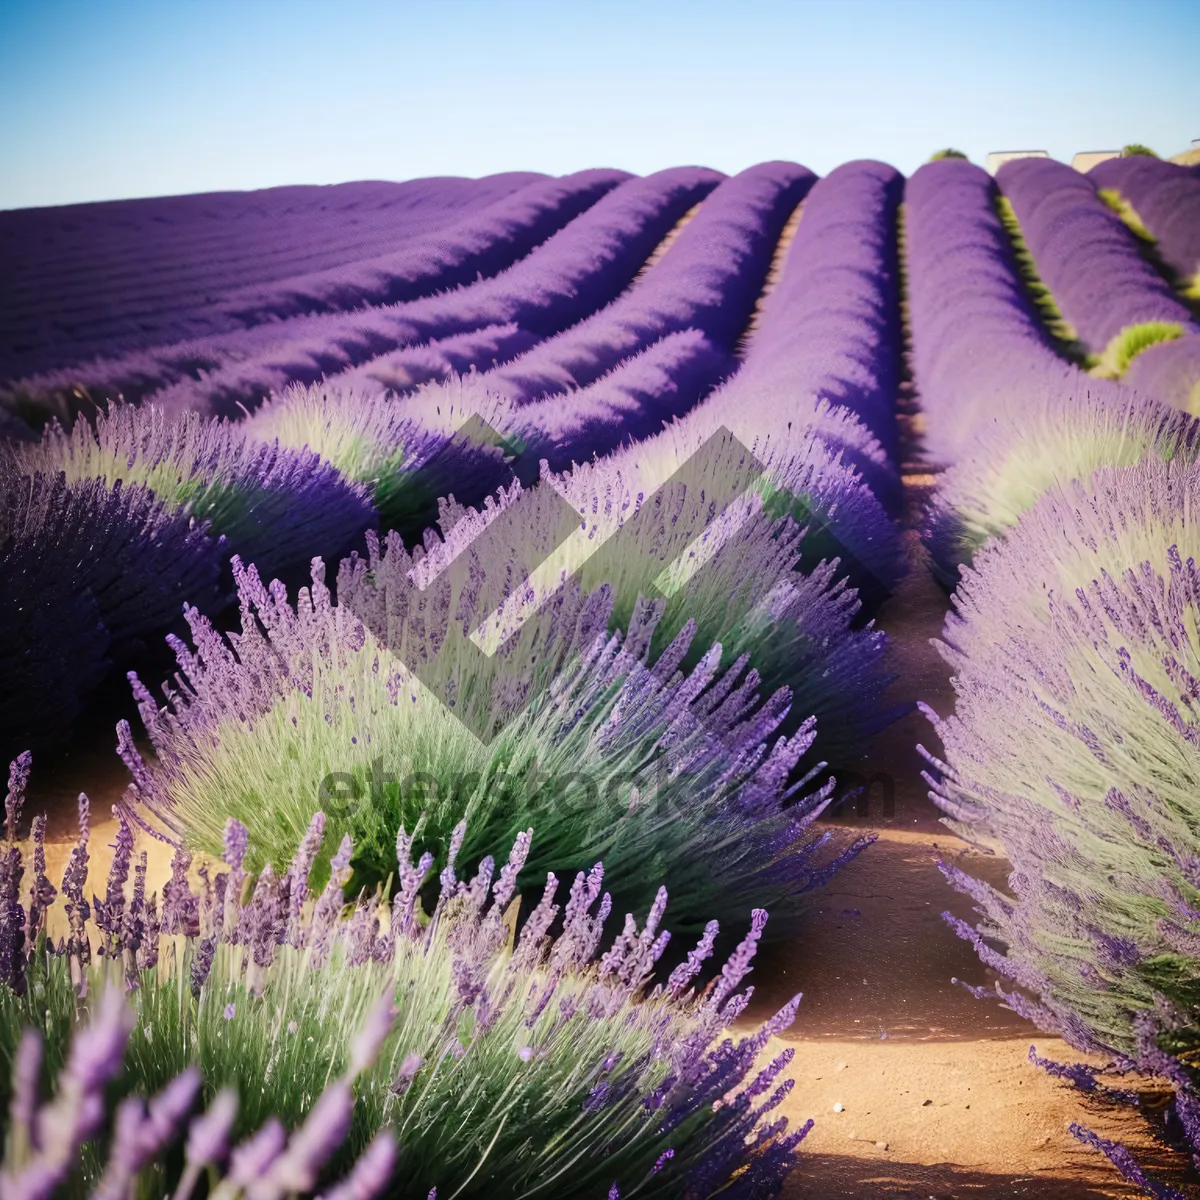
(371, 1173)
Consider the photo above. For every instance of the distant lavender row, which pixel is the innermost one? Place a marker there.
(814, 451)
(583, 266)
(656, 350)
(831, 327)
(1085, 254)
(486, 242)
(709, 280)
(1005, 412)
(483, 244)
(84, 279)
(632, 401)
(979, 351)
(1166, 198)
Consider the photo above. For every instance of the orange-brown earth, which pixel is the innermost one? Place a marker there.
(938, 1098)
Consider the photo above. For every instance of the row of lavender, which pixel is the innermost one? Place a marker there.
(1113, 299)
(581, 240)
(89, 280)
(398, 458)
(1161, 204)
(1068, 519)
(638, 617)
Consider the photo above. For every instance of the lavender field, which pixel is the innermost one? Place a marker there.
(489, 665)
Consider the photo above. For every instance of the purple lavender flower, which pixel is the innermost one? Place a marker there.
(23, 1106)
(1086, 256)
(12, 920)
(18, 778)
(311, 1146)
(180, 908)
(208, 1135)
(371, 1173)
(1120, 1157)
(367, 1043)
(1166, 200)
(110, 912)
(110, 564)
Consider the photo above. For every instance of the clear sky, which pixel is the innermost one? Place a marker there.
(103, 99)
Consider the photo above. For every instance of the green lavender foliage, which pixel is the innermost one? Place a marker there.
(662, 774)
(408, 451)
(1004, 473)
(1075, 644)
(504, 1063)
(1131, 341)
(1060, 329)
(1125, 210)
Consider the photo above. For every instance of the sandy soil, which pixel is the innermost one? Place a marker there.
(938, 1096)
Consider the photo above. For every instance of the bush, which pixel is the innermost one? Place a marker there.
(1074, 743)
(938, 155)
(142, 1151)
(382, 711)
(499, 1061)
(275, 506)
(1015, 460)
(1135, 149)
(407, 453)
(90, 572)
(1131, 341)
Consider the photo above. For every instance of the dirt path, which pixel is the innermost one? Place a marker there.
(938, 1096)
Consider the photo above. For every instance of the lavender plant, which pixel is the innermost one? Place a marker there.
(508, 1062)
(830, 327)
(408, 453)
(1018, 458)
(1063, 333)
(584, 267)
(89, 573)
(1090, 262)
(981, 350)
(138, 559)
(382, 703)
(212, 249)
(801, 477)
(410, 367)
(1074, 743)
(1166, 200)
(634, 400)
(1170, 371)
(53, 1145)
(278, 507)
(1134, 340)
(710, 554)
(209, 362)
(708, 280)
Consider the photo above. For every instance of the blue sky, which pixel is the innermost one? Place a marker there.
(105, 99)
